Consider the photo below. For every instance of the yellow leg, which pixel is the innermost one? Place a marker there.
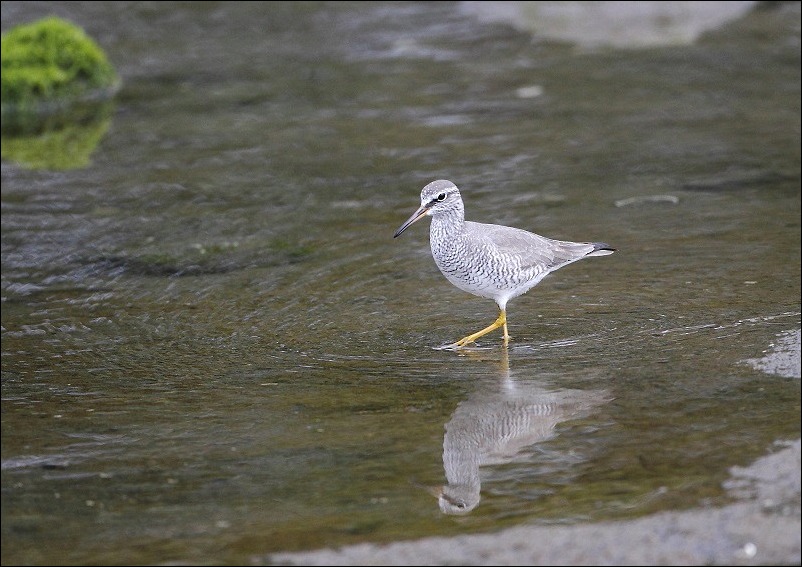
(501, 321)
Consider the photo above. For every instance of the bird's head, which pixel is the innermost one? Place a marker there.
(438, 197)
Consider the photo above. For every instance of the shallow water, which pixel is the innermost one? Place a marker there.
(213, 348)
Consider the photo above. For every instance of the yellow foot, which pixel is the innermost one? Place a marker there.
(501, 321)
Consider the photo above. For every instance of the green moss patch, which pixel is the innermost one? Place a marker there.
(48, 66)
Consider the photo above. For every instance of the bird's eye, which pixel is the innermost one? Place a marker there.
(441, 197)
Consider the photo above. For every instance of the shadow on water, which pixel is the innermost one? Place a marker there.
(499, 424)
(69, 145)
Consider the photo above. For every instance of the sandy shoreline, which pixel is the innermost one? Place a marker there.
(763, 529)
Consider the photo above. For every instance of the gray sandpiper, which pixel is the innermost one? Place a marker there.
(490, 260)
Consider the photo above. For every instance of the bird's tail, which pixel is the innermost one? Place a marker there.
(600, 249)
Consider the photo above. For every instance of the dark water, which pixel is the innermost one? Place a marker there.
(213, 348)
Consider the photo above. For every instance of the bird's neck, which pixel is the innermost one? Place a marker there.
(447, 225)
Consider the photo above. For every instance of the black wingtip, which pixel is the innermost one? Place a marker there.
(601, 249)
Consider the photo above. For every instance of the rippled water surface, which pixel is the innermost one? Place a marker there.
(213, 348)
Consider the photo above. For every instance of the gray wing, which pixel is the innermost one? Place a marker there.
(527, 250)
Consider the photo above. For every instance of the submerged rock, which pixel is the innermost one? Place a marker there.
(57, 88)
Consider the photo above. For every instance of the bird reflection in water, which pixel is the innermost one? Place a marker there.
(495, 425)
